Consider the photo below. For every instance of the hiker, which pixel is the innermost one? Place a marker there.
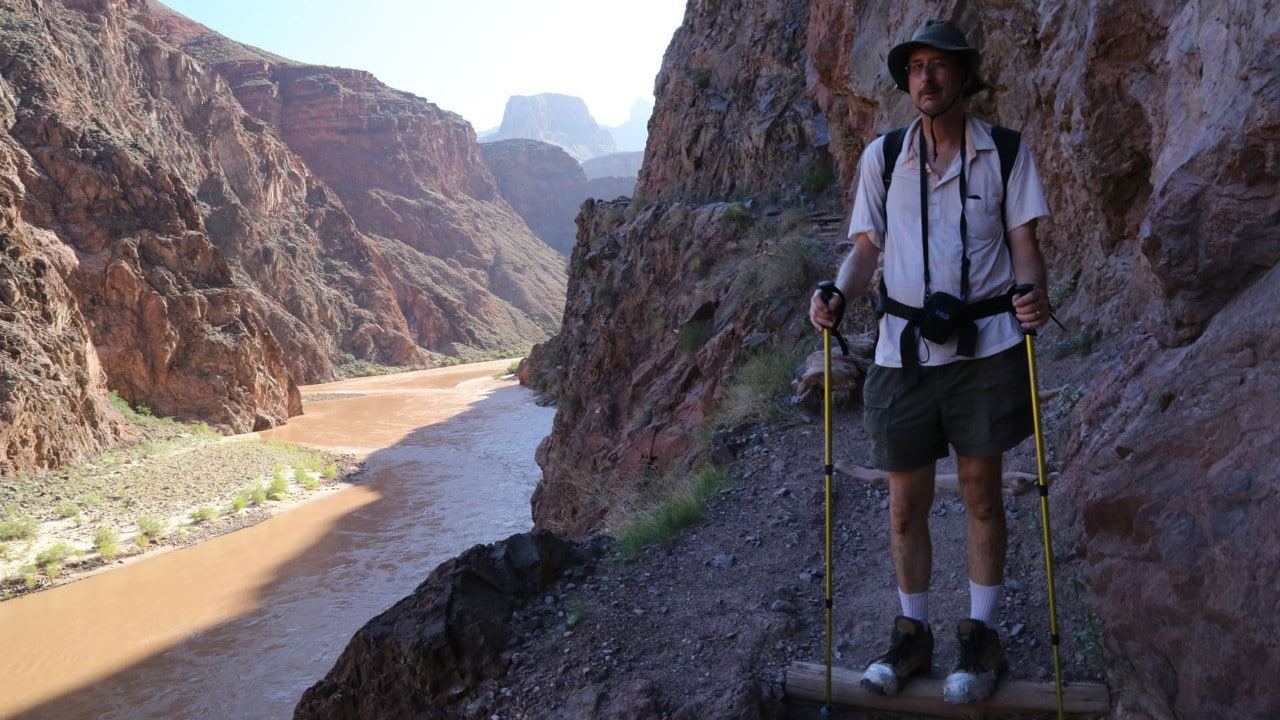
(949, 364)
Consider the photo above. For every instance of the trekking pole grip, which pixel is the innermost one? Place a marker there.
(1018, 291)
(828, 289)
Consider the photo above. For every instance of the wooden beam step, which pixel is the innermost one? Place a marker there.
(923, 694)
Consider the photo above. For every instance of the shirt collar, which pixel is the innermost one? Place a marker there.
(977, 137)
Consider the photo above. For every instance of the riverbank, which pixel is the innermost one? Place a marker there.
(181, 486)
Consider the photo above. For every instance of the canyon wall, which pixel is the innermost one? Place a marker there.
(543, 183)
(1156, 128)
(211, 226)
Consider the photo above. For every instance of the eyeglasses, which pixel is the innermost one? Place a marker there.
(933, 67)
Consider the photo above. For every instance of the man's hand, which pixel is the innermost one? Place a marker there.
(824, 314)
(1031, 308)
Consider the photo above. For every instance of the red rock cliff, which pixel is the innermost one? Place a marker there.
(1156, 129)
(204, 241)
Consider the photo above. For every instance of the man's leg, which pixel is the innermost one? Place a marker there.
(910, 499)
(982, 487)
(911, 644)
(982, 658)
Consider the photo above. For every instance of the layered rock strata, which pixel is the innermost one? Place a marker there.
(224, 224)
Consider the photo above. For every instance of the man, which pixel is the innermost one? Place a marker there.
(934, 383)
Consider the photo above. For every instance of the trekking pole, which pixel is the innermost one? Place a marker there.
(1043, 486)
(828, 289)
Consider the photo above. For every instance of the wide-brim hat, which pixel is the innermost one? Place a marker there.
(942, 35)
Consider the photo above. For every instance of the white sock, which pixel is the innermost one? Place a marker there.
(982, 602)
(915, 606)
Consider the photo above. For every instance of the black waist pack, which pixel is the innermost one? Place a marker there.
(940, 316)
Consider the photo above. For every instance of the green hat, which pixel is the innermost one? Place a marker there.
(943, 35)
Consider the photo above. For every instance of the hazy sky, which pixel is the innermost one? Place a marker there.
(468, 56)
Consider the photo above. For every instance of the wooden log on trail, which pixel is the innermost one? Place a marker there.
(1015, 483)
(923, 695)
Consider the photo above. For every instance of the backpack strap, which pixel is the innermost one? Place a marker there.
(1006, 140)
(892, 148)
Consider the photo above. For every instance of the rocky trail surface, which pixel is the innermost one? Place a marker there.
(705, 625)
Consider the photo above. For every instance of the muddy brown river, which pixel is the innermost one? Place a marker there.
(238, 626)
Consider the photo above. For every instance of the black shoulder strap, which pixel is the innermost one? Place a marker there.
(892, 147)
(1007, 142)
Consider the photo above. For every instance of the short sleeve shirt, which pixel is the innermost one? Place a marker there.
(899, 234)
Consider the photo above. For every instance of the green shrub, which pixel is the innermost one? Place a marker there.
(818, 179)
(736, 215)
(106, 542)
(66, 510)
(795, 263)
(1079, 344)
(30, 576)
(23, 528)
(203, 513)
(279, 487)
(638, 204)
(602, 294)
(239, 502)
(152, 528)
(52, 558)
(258, 494)
(702, 79)
(330, 471)
(304, 478)
(1090, 639)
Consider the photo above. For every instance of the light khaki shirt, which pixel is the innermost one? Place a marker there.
(991, 267)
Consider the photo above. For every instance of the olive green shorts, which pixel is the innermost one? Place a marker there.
(980, 407)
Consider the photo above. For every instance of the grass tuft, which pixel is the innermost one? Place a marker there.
(680, 509)
(755, 391)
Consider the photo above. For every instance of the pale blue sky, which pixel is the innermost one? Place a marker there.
(468, 56)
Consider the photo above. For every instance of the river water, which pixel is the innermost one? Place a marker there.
(238, 626)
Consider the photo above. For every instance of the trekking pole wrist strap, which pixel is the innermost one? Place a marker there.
(827, 289)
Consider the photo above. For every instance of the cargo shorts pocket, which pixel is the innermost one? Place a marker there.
(876, 416)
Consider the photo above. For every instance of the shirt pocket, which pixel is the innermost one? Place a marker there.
(985, 218)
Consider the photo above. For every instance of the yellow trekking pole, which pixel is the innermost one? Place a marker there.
(828, 289)
(1042, 484)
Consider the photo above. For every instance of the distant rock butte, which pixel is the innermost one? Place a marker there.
(562, 120)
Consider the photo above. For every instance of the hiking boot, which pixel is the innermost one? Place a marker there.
(981, 662)
(910, 652)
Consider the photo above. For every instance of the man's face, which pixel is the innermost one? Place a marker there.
(936, 78)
